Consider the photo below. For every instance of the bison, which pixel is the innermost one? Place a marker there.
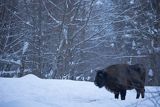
(119, 78)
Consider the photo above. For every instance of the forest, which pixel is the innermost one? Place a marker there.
(71, 39)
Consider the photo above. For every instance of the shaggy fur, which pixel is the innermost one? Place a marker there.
(121, 77)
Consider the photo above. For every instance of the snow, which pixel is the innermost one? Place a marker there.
(112, 45)
(127, 35)
(31, 91)
(132, 2)
(18, 62)
(28, 23)
(157, 49)
(133, 44)
(65, 34)
(25, 47)
(99, 2)
(138, 52)
(150, 73)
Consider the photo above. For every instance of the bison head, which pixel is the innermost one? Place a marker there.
(99, 79)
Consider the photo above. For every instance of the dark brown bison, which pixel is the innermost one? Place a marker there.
(121, 77)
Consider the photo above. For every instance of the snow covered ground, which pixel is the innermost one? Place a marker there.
(30, 91)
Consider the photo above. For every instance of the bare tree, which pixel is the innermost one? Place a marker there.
(70, 39)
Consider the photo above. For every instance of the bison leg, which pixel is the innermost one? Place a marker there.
(138, 93)
(116, 94)
(142, 92)
(123, 94)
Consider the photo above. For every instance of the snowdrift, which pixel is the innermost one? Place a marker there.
(31, 91)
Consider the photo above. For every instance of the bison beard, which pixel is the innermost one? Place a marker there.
(121, 77)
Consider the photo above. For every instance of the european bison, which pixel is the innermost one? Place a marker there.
(121, 77)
